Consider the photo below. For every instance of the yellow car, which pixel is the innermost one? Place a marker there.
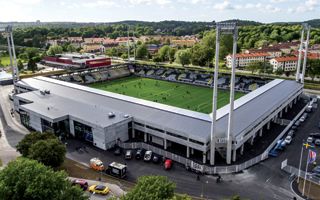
(99, 189)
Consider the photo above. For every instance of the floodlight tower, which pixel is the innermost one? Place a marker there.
(7, 32)
(229, 28)
(303, 49)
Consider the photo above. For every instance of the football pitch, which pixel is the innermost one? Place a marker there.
(180, 95)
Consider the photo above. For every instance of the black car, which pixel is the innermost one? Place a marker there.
(291, 133)
(139, 154)
(294, 127)
(156, 159)
(315, 135)
(117, 151)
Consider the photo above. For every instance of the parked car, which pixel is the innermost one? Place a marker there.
(168, 164)
(128, 155)
(82, 183)
(315, 135)
(273, 153)
(310, 139)
(291, 133)
(305, 115)
(294, 127)
(99, 189)
(302, 119)
(156, 159)
(317, 142)
(117, 151)
(316, 169)
(297, 123)
(147, 156)
(139, 154)
(288, 139)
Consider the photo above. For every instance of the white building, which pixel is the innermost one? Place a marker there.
(284, 63)
(244, 59)
(273, 52)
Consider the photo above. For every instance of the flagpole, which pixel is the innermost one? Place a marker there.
(299, 173)
(305, 175)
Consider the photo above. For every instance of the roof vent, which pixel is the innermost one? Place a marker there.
(126, 116)
(111, 115)
(47, 91)
(42, 92)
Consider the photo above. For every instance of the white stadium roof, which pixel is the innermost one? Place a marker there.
(93, 105)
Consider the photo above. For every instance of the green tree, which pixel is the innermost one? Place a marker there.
(183, 57)
(50, 152)
(253, 67)
(142, 51)
(53, 50)
(28, 179)
(30, 139)
(313, 68)
(31, 52)
(32, 65)
(163, 53)
(71, 48)
(151, 188)
(20, 65)
(172, 52)
(279, 71)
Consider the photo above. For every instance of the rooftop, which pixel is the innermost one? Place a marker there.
(93, 104)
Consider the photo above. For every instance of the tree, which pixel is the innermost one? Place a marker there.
(30, 139)
(53, 50)
(253, 67)
(32, 65)
(28, 179)
(50, 152)
(183, 57)
(279, 71)
(172, 52)
(31, 52)
(313, 68)
(151, 187)
(71, 48)
(142, 51)
(20, 65)
(163, 53)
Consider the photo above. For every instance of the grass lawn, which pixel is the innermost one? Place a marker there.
(5, 60)
(175, 94)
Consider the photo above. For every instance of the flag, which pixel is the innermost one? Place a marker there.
(312, 156)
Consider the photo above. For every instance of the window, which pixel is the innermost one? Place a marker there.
(156, 129)
(138, 124)
(196, 142)
(177, 136)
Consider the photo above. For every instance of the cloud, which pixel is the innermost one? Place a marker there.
(149, 2)
(27, 2)
(278, 1)
(308, 5)
(225, 5)
(99, 3)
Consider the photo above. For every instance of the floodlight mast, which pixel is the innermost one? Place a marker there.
(223, 28)
(7, 32)
(303, 48)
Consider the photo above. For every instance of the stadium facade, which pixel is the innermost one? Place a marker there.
(106, 118)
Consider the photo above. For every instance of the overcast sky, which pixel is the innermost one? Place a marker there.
(158, 10)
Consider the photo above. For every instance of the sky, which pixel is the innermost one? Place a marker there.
(158, 10)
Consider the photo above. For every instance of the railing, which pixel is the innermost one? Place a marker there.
(213, 169)
(292, 170)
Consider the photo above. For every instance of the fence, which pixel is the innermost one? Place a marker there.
(292, 170)
(212, 169)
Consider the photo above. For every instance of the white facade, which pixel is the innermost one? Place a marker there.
(286, 64)
(243, 60)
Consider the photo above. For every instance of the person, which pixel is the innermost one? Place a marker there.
(219, 178)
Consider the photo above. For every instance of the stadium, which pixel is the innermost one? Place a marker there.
(171, 111)
(70, 104)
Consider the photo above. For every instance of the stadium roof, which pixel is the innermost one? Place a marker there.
(93, 104)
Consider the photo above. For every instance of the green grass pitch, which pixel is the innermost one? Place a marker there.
(180, 95)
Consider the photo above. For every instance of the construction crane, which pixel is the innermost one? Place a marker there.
(7, 32)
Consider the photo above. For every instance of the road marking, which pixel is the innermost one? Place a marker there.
(267, 181)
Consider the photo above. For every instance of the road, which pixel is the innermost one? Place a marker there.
(263, 181)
